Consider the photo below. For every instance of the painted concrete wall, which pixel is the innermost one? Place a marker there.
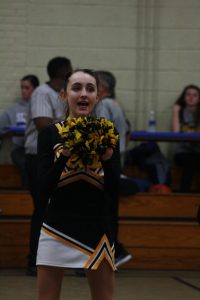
(152, 46)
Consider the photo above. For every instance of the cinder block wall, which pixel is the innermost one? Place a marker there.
(152, 46)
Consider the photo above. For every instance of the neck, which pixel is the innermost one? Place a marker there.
(192, 108)
(105, 96)
(54, 85)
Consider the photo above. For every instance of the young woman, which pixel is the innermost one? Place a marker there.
(186, 118)
(75, 232)
(16, 114)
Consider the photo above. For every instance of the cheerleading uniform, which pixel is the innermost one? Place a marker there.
(76, 231)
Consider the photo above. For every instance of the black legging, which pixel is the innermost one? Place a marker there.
(189, 161)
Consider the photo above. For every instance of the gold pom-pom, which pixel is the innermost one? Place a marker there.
(88, 138)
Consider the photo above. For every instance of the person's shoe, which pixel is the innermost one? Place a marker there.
(122, 256)
(31, 271)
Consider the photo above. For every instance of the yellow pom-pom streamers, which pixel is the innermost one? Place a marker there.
(87, 138)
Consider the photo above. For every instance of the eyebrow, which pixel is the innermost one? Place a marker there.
(79, 83)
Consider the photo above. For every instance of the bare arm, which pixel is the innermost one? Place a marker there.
(176, 125)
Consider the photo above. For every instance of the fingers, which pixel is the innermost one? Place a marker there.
(66, 152)
(108, 154)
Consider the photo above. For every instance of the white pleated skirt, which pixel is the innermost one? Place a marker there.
(52, 252)
(59, 253)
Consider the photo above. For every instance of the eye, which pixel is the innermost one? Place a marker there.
(90, 88)
(76, 87)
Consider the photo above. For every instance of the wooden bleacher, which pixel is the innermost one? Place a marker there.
(176, 173)
(15, 213)
(9, 177)
(160, 230)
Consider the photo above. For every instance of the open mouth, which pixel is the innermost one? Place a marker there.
(83, 103)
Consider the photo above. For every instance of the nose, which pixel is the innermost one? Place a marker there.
(83, 93)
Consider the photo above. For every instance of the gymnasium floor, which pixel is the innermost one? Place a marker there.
(130, 285)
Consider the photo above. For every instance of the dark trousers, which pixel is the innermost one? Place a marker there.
(18, 158)
(39, 207)
(189, 163)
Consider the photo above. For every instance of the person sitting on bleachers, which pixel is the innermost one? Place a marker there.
(110, 109)
(15, 115)
(186, 118)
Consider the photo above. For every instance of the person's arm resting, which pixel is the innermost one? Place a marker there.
(176, 126)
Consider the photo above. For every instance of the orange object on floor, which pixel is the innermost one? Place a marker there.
(159, 188)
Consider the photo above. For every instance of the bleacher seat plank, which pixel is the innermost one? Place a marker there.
(163, 259)
(13, 257)
(159, 234)
(15, 203)
(10, 177)
(14, 232)
(159, 205)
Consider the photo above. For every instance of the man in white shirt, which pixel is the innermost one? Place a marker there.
(45, 108)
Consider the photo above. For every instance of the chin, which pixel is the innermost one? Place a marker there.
(83, 114)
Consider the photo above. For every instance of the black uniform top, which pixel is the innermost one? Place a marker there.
(79, 199)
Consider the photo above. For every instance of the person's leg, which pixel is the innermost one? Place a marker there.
(18, 159)
(101, 282)
(49, 281)
(121, 254)
(187, 161)
(31, 166)
(39, 206)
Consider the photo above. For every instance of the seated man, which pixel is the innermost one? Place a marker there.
(109, 109)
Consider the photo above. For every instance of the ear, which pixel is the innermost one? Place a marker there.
(62, 95)
(97, 99)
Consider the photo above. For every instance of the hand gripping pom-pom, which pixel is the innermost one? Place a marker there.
(88, 138)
